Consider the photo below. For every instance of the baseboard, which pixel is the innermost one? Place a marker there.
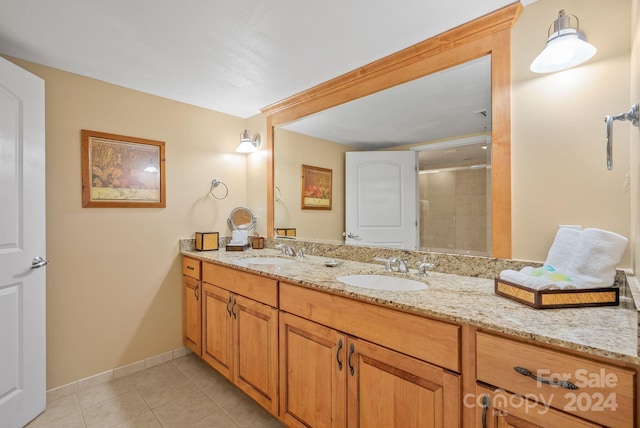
(114, 374)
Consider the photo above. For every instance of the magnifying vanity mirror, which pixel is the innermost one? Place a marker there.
(241, 218)
(485, 40)
(241, 221)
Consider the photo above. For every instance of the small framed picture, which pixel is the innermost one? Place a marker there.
(316, 188)
(122, 172)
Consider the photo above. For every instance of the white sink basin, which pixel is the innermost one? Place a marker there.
(265, 261)
(382, 282)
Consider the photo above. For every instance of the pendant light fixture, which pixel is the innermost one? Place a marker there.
(248, 144)
(566, 46)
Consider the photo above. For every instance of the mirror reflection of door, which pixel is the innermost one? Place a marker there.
(381, 199)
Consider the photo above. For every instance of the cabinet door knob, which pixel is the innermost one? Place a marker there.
(232, 307)
(195, 291)
(561, 383)
(338, 354)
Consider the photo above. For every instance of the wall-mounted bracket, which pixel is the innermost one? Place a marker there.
(631, 116)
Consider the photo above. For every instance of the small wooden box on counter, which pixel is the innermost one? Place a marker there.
(550, 299)
(257, 242)
(286, 231)
(206, 241)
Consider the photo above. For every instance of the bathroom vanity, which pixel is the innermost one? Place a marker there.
(314, 351)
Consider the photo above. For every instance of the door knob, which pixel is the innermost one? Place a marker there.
(38, 262)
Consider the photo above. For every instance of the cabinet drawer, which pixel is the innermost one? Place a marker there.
(191, 267)
(423, 338)
(255, 287)
(598, 392)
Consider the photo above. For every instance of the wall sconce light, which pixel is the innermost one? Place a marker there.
(566, 46)
(247, 143)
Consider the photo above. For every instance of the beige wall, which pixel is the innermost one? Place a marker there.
(257, 175)
(635, 135)
(558, 146)
(292, 151)
(113, 285)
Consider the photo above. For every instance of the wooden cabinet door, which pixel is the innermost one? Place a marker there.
(500, 409)
(312, 374)
(217, 329)
(389, 389)
(256, 350)
(191, 314)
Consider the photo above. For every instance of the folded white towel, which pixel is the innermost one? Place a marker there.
(577, 259)
(594, 261)
(535, 279)
(239, 237)
(564, 246)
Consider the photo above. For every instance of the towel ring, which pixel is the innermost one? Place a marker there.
(215, 183)
(278, 194)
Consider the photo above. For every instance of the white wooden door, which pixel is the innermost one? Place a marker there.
(22, 239)
(381, 199)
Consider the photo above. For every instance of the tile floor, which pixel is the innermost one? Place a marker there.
(184, 392)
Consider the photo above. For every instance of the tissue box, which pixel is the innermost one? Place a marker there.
(206, 241)
(553, 299)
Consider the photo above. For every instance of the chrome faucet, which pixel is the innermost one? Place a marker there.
(387, 263)
(402, 264)
(424, 267)
(285, 250)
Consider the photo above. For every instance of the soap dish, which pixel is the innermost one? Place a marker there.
(332, 263)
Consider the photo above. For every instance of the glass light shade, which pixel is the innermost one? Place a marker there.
(151, 167)
(248, 144)
(565, 49)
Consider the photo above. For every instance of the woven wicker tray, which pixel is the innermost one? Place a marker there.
(230, 247)
(548, 299)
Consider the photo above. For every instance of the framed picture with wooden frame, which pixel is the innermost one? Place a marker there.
(317, 188)
(122, 172)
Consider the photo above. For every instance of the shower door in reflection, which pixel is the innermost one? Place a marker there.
(455, 199)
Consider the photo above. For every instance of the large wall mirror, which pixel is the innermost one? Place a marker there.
(479, 127)
(444, 117)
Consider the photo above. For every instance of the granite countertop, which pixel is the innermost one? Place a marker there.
(602, 331)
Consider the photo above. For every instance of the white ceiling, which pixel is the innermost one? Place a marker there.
(232, 56)
(451, 103)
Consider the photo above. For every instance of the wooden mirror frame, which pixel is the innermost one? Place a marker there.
(490, 34)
